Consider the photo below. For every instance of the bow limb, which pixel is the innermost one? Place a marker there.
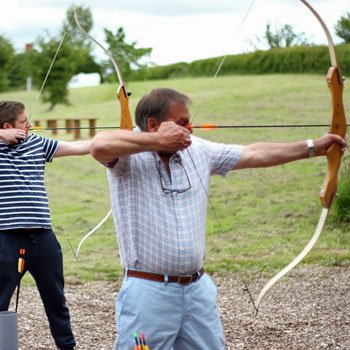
(125, 119)
(91, 232)
(123, 95)
(330, 184)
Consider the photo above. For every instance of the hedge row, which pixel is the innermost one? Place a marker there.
(298, 59)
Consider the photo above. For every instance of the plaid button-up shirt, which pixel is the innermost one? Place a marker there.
(160, 218)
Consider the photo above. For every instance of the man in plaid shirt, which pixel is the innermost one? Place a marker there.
(159, 180)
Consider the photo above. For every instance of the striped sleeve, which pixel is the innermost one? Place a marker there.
(50, 147)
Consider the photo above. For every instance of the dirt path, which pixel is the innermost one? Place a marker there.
(308, 310)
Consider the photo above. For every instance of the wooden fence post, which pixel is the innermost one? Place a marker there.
(69, 125)
(92, 126)
(77, 129)
(52, 124)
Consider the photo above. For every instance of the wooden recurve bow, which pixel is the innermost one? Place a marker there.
(330, 184)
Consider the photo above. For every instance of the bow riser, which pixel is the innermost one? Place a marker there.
(338, 127)
(329, 186)
(335, 85)
(125, 116)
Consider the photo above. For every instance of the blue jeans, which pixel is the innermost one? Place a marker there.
(43, 260)
(171, 315)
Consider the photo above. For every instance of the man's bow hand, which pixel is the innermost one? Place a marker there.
(326, 141)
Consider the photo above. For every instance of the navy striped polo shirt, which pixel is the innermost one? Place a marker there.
(23, 198)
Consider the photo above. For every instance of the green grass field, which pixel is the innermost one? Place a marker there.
(265, 216)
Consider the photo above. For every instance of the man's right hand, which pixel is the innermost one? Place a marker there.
(12, 136)
(173, 137)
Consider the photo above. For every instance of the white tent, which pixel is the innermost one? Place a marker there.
(84, 80)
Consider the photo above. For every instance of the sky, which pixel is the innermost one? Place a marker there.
(177, 30)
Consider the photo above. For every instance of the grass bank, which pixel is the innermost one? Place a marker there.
(265, 216)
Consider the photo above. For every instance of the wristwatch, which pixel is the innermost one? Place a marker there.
(310, 148)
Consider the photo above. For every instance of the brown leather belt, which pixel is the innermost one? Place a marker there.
(181, 279)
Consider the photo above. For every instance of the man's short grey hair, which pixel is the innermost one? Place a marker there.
(156, 104)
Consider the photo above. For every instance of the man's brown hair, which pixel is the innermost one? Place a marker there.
(9, 111)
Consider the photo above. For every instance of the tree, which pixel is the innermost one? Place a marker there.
(74, 56)
(21, 67)
(75, 35)
(6, 56)
(18, 70)
(281, 37)
(77, 39)
(63, 69)
(126, 55)
(342, 28)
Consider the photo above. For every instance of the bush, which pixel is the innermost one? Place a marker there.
(297, 59)
(6, 55)
(341, 206)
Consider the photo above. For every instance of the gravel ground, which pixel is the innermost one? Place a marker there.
(310, 309)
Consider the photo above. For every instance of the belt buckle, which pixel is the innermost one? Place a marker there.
(184, 280)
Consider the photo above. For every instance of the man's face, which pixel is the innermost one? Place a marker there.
(22, 122)
(178, 113)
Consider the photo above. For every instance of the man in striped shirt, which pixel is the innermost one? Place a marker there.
(159, 181)
(25, 224)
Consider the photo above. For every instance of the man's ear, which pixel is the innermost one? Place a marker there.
(152, 124)
(7, 126)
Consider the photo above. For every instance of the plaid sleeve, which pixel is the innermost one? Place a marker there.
(222, 157)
